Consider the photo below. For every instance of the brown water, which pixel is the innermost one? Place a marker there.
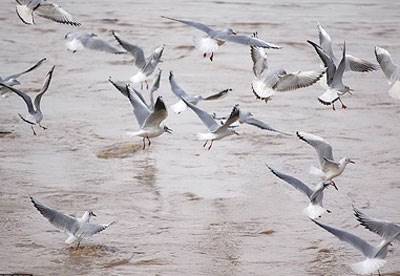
(182, 210)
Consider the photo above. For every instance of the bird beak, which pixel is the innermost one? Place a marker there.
(351, 161)
(93, 214)
(334, 185)
(235, 132)
(235, 33)
(168, 130)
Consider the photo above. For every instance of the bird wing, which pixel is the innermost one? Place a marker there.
(323, 148)
(389, 68)
(260, 62)
(217, 95)
(25, 97)
(156, 82)
(338, 77)
(135, 51)
(233, 117)
(158, 115)
(177, 90)
(140, 109)
(44, 88)
(61, 221)
(359, 65)
(250, 120)
(56, 13)
(296, 80)
(14, 76)
(90, 229)
(122, 86)
(196, 25)
(205, 117)
(383, 228)
(294, 182)
(327, 61)
(245, 40)
(329, 97)
(325, 41)
(98, 44)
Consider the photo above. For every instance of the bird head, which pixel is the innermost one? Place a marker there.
(91, 214)
(330, 183)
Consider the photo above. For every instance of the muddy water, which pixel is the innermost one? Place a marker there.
(182, 210)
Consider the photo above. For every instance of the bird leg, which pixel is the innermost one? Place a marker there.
(379, 273)
(333, 107)
(141, 86)
(148, 140)
(144, 143)
(329, 211)
(33, 130)
(212, 56)
(205, 144)
(43, 127)
(343, 106)
(147, 85)
(210, 145)
(204, 55)
(79, 242)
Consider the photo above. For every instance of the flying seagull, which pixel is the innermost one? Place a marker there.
(390, 69)
(13, 79)
(375, 255)
(334, 77)
(146, 66)
(352, 63)
(150, 120)
(383, 228)
(79, 40)
(268, 81)
(33, 109)
(43, 8)
(76, 228)
(216, 131)
(215, 38)
(180, 106)
(315, 208)
(329, 168)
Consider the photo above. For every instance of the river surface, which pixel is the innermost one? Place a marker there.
(180, 209)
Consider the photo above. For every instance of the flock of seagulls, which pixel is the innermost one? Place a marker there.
(151, 116)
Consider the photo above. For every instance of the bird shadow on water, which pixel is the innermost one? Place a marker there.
(118, 150)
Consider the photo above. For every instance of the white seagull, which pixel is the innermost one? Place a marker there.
(268, 81)
(180, 106)
(390, 69)
(79, 40)
(383, 228)
(12, 80)
(329, 168)
(375, 255)
(76, 228)
(334, 77)
(150, 120)
(43, 8)
(34, 109)
(146, 66)
(208, 45)
(352, 63)
(315, 208)
(216, 131)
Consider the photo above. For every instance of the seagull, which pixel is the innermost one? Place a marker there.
(150, 120)
(76, 228)
(334, 77)
(329, 168)
(124, 89)
(315, 208)
(147, 66)
(390, 69)
(374, 255)
(209, 44)
(352, 63)
(79, 40)
(45, 9)
(385, 229)
(216, 131)
(13, 79)
(180, 93)
(268, 81)
(33, 109)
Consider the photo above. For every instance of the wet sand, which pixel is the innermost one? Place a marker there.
(180, 209)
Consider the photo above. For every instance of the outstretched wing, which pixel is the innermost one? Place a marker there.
(389, 68)
(24, 96)
(206, 118)
(14, 76)
(218, 95)
(323, 148)
(246, 40)
(158, 115)
(100, 45)
(325, 41)
(197, 25)
(55, 13)
(135, 51)
(359, 65)
(327, 61)
(260, 62)
(45, 86)
(296, 80)
(89, 229)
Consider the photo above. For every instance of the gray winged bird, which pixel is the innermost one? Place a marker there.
(215, 38)
(76, 228)
(390, 69)
(150, 120)
(334, 77)
(147, 66)
(375, 255)
(12, 80)
(76, 41)
(315, 208)
(34, 108)
(216, 131)
(383, 228)
(267, 81)
(329, 168)
(180, 106)
(352, 63)
(26, 9)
